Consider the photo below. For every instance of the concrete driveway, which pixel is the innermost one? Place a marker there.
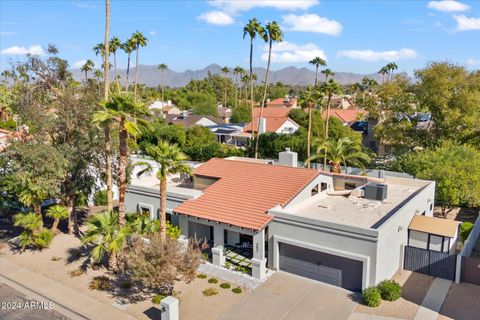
(285, 296)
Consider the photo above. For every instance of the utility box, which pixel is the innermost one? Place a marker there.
(288, 158)
(376, 191)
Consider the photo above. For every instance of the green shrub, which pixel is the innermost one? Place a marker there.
(237, 290)
(205, 256)
(173, 231)
(100, 198)
(371, 297)
(100, 283)
(210, 292)
(43, 238)
(76, 273)
(201, 276)
(465, 229)
(228, 264)
(80, 199)
(157, 298)
(225, 285)
(242, 269)
(390, 290)
(8, 125)
(212, 280)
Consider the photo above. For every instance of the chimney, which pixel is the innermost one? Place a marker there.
(262, 125)
(169, 102)
(288, 158)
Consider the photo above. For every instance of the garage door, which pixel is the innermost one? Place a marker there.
(328, 268)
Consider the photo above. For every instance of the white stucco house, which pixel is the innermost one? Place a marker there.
(349, 231)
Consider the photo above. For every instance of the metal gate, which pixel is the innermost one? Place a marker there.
(471, 270)
(433, 263)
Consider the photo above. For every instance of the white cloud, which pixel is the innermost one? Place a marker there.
(85, 5)
(7, 33)
(78, 64)
(465, 23)
(286, 52)
(312, 23)
(152, 33)
(370, 55)
(16, 50)
(448, 6)
(216, 17)
(473, 62)
(236, 6)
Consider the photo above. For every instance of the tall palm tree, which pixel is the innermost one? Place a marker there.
(310, 97)
(328, 73)
(225, 71)
(128, 47)
(108, 236)
(341, 152)
(245, 81)
(122, 109)
(140, 41)
(115, 44)
(98, 74)
(106, 129)
(238, 72)
(317, 62)
(162, 67)
(391, 67)
(87, 66)
(329, 89)
(57, 212)
(170, 160)
(272, 33)
(383, 71)
(99, 49)
(252, 29)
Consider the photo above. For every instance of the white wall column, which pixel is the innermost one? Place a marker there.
(259, 261)
(218, 258)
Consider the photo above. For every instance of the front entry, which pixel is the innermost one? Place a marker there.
(324, 267)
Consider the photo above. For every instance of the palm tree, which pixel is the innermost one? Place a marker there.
(128, 47)
(252, 28)
(272, 33)
(87, 66)
(99, 49)
(317, 62)
(162, 67)
(123, 110)
(225, 71)
(383, 71)
(328, 73)
(341, 152)
(57, 212)
(115, 44)
(170, 160)
(237, 71)
(329, 89)
(245, 81)
(308, 100)
(391, 67)
(108, 236)
(140, 41)
(98, 74)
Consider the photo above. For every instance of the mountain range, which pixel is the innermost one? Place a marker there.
(150, 76)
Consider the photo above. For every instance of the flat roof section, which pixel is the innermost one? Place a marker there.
(351, 210)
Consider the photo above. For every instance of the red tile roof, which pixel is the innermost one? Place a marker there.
(282, 102)
(271, 112)
(345, 115)
(245, 191)
(273, 124)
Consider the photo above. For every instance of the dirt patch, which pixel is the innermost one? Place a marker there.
(458, 214)
(414, 289)
(462, 302)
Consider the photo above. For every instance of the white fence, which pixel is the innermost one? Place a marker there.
(468, 246)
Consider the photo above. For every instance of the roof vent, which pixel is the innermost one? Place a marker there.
(375, 191)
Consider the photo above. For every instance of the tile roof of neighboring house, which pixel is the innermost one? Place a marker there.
(345, 115)
(273, 124)
(438, 226)
(189, 120)
(271, 112)
(245, 191)
(282, 102)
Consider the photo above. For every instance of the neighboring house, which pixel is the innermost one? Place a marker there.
(348, 231)
(283, 125)
(347, 116)
(230, 134)
(224, 113)
(190, 120)
(288, 102)
(164, 107)
(342, 102)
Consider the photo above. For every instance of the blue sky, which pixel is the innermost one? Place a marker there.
(354, 36)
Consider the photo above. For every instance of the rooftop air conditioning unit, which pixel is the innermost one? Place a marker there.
(376, 191)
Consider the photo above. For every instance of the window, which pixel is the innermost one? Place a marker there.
(431, 206)
(323, 186)
(145, 210)
(314, 190)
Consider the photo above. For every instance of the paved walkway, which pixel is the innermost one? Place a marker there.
(241, 280)
(74, 304)
(433, 301)
(366, 316)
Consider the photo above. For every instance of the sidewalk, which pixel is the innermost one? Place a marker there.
(76, 304)
(434, 299)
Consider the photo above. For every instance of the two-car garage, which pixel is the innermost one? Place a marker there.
(332, 269)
